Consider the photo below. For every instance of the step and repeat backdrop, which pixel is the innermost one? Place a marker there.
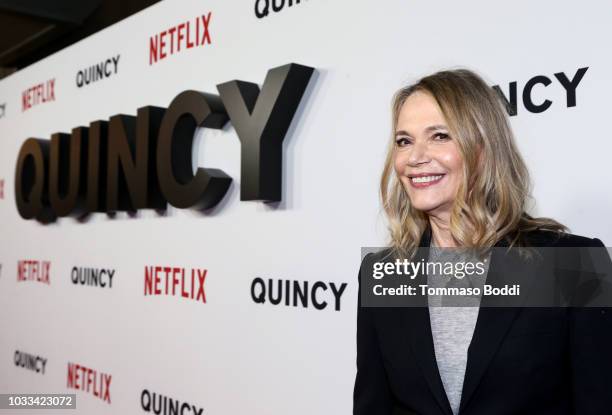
(184, 195)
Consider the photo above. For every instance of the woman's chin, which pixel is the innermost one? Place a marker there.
(431, 208)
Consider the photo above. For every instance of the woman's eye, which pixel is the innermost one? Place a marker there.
(441, 136)
(402, 142)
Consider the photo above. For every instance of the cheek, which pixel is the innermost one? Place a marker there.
(398, 163)
(455, 166)
(452, 160)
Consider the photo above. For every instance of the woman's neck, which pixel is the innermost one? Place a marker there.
(440, 232)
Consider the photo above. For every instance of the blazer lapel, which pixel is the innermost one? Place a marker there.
(419, 326)
(423, 349)
(493, 322)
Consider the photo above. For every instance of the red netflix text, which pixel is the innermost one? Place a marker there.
(32, 270)
(90, 381)
(38, 94)
(175, 281)
(1, 189)
(186, 35)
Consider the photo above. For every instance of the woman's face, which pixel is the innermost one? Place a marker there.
(427, 160)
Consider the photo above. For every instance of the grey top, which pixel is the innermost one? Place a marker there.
(453, 320)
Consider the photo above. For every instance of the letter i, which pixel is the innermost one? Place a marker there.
(198, 31)
(95, 382)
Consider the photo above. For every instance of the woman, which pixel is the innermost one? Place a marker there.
(453, 177)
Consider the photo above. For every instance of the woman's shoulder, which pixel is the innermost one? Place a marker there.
(378, 255)
(548, 238)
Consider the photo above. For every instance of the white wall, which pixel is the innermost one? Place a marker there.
(232, 355)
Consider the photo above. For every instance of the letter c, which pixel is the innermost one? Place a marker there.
(102, 283)
(527, 101)
(179, 185)
(313, 295)
(107, 72)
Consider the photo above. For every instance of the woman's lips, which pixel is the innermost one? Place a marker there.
(422, 181)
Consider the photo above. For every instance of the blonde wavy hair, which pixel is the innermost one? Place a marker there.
(491, 200)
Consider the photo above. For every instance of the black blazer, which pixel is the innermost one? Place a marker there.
(521, 360)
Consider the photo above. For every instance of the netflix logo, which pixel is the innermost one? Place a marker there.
(90, 381)
(32, 270)
(38, 94)
(185, 35)
(175, 281)
(1, 189)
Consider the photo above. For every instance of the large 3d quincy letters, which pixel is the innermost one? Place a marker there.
(144, 162)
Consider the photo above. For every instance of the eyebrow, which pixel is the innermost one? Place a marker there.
(426, 130)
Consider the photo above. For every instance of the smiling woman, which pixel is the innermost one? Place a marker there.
(427, 162)
(453, 178)
(453, 165)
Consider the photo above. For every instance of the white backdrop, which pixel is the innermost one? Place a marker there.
(232, 355)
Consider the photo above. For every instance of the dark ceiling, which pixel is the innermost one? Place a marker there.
(33, 29)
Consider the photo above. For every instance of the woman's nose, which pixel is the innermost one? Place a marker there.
(419, 153)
